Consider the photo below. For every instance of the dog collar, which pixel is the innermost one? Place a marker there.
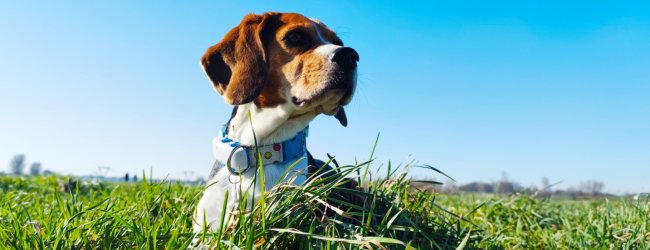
(238, 159)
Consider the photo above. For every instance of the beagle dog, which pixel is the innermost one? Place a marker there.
(280, 71)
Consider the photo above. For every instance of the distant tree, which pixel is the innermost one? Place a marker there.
(449, 186)
(35, 168)
(504, 176)
(545, 182)
(48, 172)
(573, 192)
(477, 187)
(592, 187)
(17, 164)
(504, 187)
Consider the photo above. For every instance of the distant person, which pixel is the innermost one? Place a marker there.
(126, 177)
(135, 178)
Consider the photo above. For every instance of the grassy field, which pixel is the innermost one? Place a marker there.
(38, 213)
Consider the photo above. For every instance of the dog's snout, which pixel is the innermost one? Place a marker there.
(346, 57)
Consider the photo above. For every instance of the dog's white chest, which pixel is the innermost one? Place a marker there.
(210, 207)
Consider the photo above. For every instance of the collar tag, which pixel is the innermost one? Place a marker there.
(270, 154)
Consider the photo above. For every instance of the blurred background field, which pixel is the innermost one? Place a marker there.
(57, 212)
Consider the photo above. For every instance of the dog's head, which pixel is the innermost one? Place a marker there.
(282, 58)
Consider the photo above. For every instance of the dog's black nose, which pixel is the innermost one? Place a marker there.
(346, 57)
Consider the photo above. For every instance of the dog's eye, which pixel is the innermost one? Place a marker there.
(297, 38)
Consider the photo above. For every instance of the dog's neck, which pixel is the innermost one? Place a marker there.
(271, 124)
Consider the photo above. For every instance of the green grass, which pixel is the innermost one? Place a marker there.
(36, 214)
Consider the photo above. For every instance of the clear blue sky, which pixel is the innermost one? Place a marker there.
(531, 88)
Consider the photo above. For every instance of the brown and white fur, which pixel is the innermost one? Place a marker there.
(285, 69)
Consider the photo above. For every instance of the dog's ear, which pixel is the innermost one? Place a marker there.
(340, 115)
(237, 65)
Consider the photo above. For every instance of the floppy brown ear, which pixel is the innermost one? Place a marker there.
(237, 65)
